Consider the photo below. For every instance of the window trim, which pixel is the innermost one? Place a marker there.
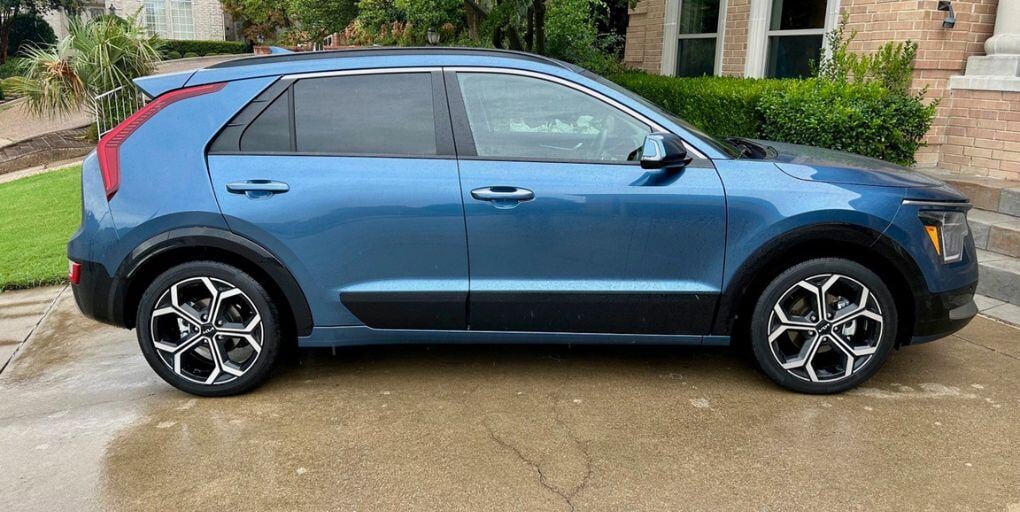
(672, 36)
(445, 148)
(759, 32)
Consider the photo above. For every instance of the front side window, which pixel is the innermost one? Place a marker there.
(382, 114)
(514, 116)
(698, 30)
(796, 29)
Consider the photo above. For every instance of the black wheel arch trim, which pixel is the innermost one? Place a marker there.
(756, 268)
(217, 239)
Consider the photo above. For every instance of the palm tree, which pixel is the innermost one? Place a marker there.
(96, 56)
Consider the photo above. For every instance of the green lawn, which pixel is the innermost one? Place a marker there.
(37, 216)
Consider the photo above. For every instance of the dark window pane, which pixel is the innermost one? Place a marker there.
(699, 16)
(385, 114)
(797, 14)
(790, 56)
(695, 57)
(271, 130)
(522, 117)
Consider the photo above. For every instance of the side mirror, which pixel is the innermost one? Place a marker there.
(663, 151)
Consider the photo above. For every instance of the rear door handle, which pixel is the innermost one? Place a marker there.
(257, 189)
(502, 194)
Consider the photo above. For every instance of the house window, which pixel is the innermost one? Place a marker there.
(170, 19)
(182, 24)
(698, 37)
(796, 29)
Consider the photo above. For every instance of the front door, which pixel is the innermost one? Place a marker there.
(351, 180)
(566, 232)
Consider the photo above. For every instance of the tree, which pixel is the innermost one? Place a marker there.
(261, 20)
(316, 19)
(95, 57)
(11, 10)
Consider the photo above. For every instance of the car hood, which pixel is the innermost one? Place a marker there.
(830, 166)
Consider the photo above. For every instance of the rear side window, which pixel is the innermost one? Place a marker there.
(271, 130)
(384, 114)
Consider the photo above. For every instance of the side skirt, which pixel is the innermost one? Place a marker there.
(360, 335)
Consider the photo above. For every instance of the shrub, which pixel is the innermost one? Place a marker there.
(29, 30)
(891, 66)
(12, 67)
(431, 13)
(863, 118)
(721, 106)
(202, 48)
(191, 55)
(860, 118)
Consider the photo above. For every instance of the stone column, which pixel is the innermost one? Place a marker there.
(1000, 69)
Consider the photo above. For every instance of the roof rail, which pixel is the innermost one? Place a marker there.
(385, 50)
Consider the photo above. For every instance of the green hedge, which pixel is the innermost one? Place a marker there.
(203, 48)
(859, 118)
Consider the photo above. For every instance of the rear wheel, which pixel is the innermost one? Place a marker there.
(208, 329)
(823, 326)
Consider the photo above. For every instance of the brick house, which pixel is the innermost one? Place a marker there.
(171, 19)
(973, 66)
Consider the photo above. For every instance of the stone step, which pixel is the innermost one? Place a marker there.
(995, 232)
(999, 276)
(989, 194)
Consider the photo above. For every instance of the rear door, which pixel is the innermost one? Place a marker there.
(566, 231)
(350, 179)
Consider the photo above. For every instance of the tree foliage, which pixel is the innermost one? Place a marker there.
(95, 57)
(11, 10)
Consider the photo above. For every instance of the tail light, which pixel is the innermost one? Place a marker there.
(108, 148)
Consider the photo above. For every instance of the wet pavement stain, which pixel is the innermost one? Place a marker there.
(85, 425)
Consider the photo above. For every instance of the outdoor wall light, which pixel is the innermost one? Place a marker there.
(950, 21)
(432, 36)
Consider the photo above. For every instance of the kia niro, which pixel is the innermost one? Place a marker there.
(376, 196)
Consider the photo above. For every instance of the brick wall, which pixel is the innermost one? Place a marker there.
(982, 136)
(735, 37)
(643, 49)
(941, 52)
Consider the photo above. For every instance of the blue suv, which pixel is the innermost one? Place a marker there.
(460, 195)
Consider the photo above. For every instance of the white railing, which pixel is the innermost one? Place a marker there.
(116, 105)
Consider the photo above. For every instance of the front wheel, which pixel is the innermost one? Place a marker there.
(208, 329)
(823, 326)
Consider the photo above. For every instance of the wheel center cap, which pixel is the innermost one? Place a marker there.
(824, 328)
(208, 330)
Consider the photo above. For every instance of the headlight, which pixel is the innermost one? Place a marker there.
(947, 232)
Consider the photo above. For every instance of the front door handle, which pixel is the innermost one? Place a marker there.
(257, 189)
(503, 197)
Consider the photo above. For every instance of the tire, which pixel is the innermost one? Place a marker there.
(818, 354)
(224, 354)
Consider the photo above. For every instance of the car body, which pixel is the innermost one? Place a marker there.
(404, 196)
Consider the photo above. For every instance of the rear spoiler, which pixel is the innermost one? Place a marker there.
(155, 85)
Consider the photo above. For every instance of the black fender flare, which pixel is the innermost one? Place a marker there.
(819, 239)
(222, 240)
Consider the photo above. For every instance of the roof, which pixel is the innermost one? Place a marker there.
(385, 51)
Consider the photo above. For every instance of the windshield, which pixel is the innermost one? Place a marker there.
(719, 144)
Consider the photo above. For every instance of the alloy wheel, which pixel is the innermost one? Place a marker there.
(206, 330)
(825, 328)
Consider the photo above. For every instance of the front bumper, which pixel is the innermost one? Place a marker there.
(938, 315)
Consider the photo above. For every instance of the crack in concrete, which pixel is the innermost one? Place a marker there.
(992, 349)
(568, 495)
(28, 336)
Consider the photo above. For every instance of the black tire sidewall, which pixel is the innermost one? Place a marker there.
(262, 367)
(779, 285)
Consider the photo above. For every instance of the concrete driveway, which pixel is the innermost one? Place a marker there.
(85, 425)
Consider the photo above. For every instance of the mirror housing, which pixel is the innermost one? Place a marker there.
(663, 150)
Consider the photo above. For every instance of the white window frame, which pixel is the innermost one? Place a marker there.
(671, 37)
(758, 33)
(174, 28)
